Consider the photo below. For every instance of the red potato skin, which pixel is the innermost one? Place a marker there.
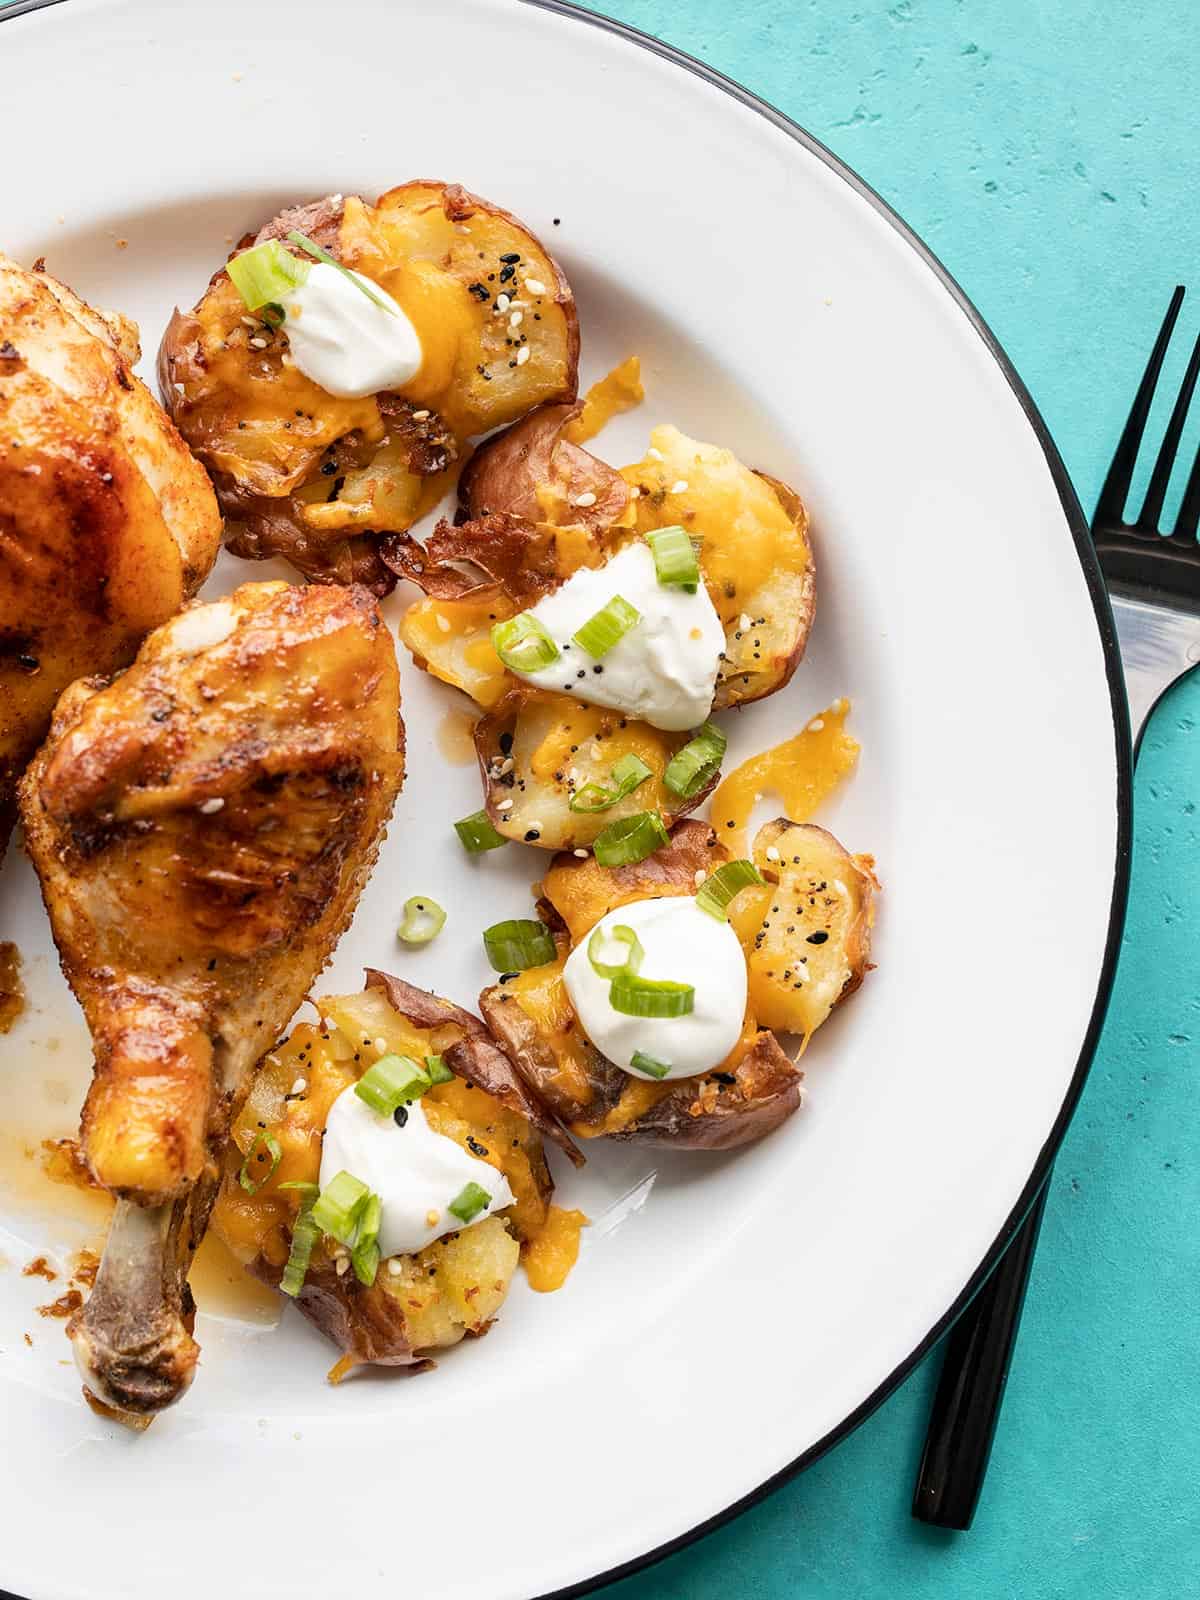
(506, 473)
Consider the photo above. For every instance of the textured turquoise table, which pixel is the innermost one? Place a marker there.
(1048, 153)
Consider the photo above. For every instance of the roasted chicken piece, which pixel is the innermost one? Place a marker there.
(107, 524)
(202, 828)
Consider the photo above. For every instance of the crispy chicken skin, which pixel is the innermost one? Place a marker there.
(107, 524)
(202, 828)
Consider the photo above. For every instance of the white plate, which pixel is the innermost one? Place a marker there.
(757, 1305)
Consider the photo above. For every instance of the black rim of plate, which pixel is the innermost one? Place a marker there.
(1123, 752)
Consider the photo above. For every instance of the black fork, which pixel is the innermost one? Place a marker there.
(1153, 581)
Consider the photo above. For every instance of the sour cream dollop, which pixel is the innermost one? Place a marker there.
(415, 1171)
(663, 670)
(681, 943)
(346, 344)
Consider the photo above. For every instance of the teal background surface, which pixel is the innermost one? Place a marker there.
(1048, 153)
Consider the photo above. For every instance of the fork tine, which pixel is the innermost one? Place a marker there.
(1111, 505)
(1189, 507)
(1156, 493)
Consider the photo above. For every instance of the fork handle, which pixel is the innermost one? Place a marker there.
(970, 1390)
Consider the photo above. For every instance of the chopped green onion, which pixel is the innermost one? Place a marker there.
(364, 1257)
(437, 1069)
(339, 1207)
(607, 628)
(305, 1234)
(274, 1150)
(633, 996)
(477, 834)
(523, 643)
(630, 839)
(390, 1082)
(424, 919)
(308, 1192)
(717, 891)
(619, 935)
(675, 560)
(690, 769)
(318, 254)
(647, 1064)
(266, 273)
(627, 774)
(467, 1205)
(517, 944)
(273, 314)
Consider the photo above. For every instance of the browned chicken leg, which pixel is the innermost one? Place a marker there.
(107, 524)
(202, 828)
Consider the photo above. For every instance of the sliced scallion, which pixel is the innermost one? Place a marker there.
(607, 628)
(437, 1069)
(621, 934)
(634, 996)
(469, 1202)
(266, 273)
(423, 920)
(675, 560)
(305, 1234)
(630, 839)
(517, 944)
(641, 1062)
(627, 774)
(364, 1257)
(715, 893)
(390, 1082)
(477, 834)
(252, 1182)
(691, 768)
(318, 254)
(308, 1192)
(523, 643)
(339, 1206)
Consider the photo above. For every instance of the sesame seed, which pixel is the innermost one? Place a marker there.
(522, 355)
(443, 624)
(505, 805)
(257, 343)
(587, 499)
(342, 1265)
(582, 854)
(816, 725)
(209, 807)
(772, 853)
(744, 622)
(535, 286)
(699, 876)
(516, 319)
(395, 1265)
(249, 322)
(595, 752)
(299, 1086)
(419, 416)
(381, 1044)
(653, 454)
(502, 302)
(679, 486)
(634, 492)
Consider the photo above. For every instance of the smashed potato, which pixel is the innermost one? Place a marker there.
(755, 557)
(807, 935)
(752, 1091)
(318, 479)
(454, 1286)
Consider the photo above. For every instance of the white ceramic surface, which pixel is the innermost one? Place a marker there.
(753, 1302)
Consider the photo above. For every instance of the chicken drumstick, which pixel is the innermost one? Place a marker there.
(202, 828)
